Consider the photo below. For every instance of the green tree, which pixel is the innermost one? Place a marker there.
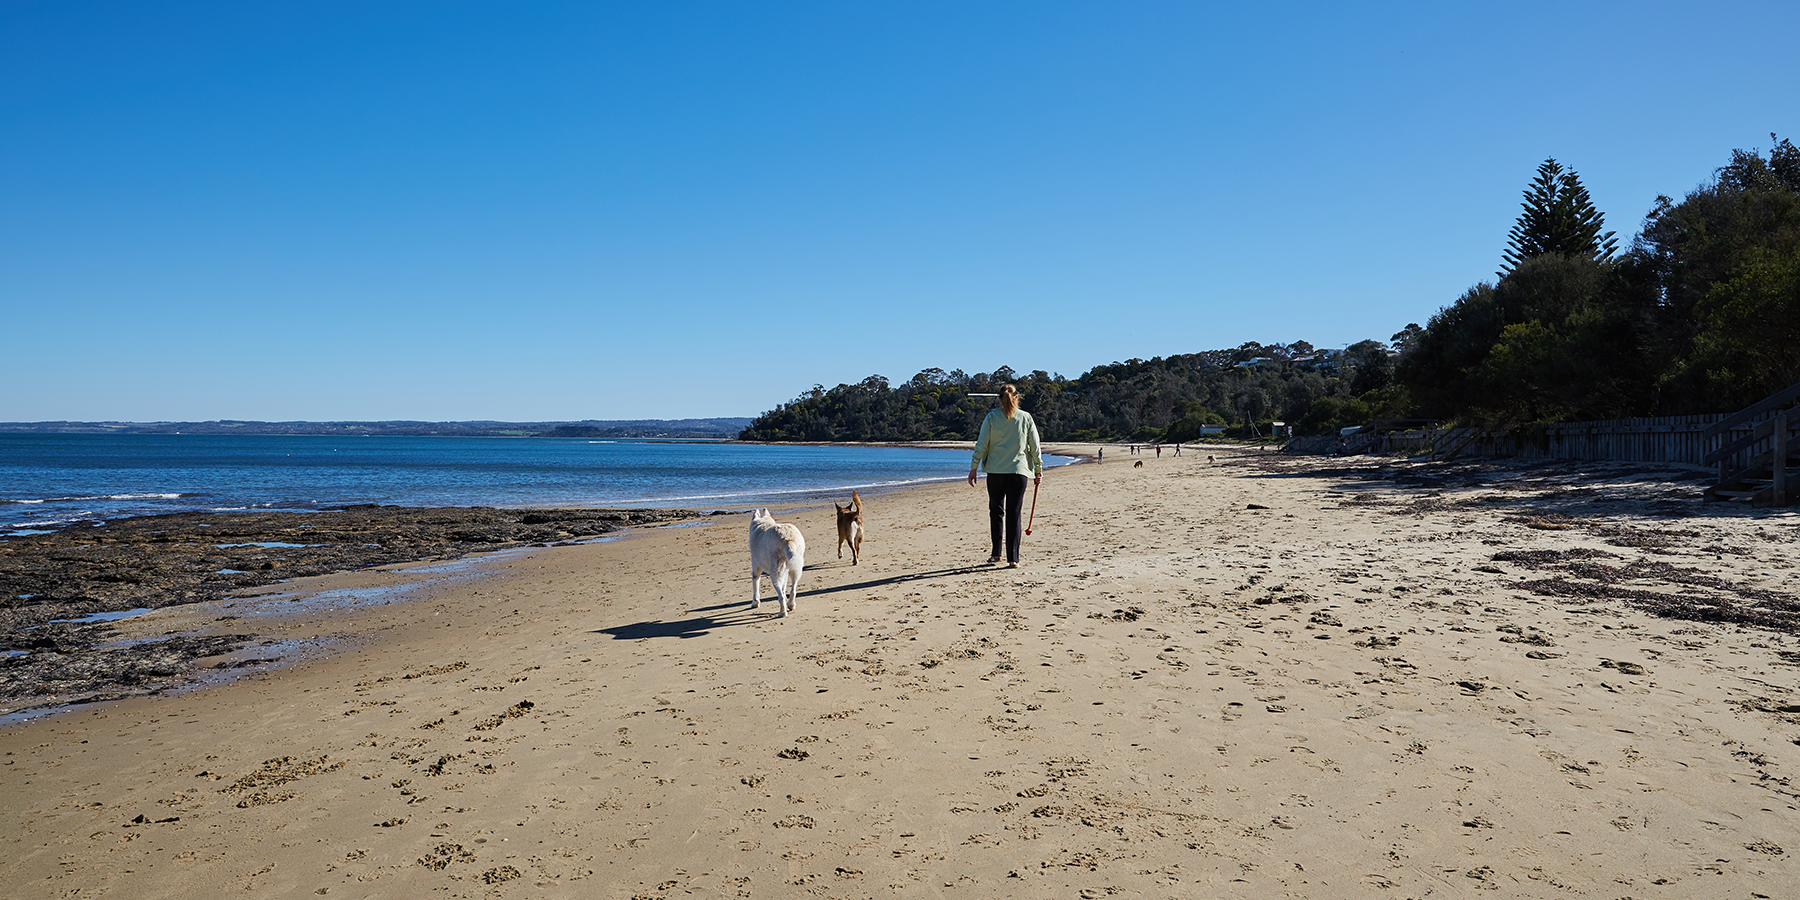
(1406, 338)
(1748, 344)
(1559, 217)
(1443, 355)
(1691, 261)
(1555, 340)
(1371, 366)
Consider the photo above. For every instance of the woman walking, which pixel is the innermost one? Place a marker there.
(1008, 450)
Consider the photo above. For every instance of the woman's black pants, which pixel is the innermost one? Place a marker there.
(1006, 494)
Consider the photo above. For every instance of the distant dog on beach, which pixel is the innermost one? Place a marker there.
(850, 527)
(778, 550)
(1138, 465)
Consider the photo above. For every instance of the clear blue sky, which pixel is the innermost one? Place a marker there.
(547, 211)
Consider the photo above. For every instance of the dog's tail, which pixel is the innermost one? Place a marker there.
(856, 501)
(792, 563)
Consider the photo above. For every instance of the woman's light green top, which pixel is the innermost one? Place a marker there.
(1008, 446)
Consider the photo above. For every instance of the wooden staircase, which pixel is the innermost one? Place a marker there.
(1757, 451)
(1450, 444)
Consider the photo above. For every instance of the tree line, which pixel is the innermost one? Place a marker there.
(1162, 399)
(1699, 314)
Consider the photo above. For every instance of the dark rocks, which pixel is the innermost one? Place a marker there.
(157, 561)
(152, 562)
(70, 672)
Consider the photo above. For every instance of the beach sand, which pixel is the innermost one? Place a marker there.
(1392, 681)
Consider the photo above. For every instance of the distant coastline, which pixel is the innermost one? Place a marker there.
(711, 429)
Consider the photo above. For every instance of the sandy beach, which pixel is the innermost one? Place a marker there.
(1248, 675)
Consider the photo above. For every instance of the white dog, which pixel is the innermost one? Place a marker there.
(779, 550)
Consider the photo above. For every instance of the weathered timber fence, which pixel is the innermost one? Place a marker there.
(1756, 450)
(1663, 439)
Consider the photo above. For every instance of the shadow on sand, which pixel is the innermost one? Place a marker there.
(1520, 488)
(897, 579)
(744, 615)
(687, 628)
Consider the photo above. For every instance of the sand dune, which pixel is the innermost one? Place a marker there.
(1390, 681)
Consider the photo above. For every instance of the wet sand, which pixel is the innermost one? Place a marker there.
(61, 591)
(1386, 680)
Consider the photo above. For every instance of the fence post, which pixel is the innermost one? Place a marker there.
(1778, 458)
(1710, 445)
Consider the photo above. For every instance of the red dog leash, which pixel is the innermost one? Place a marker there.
(1034, 487)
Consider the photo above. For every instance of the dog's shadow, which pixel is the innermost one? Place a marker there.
(704, 624)
(688, 628)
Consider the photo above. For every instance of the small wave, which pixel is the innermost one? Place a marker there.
(36, 500)
(57, 522)
(254, 507)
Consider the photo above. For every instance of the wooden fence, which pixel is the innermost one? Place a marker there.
(1756, 450)
(1664, 439)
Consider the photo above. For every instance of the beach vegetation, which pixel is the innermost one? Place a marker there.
(1166, 399)
(1701, 314)
(1559, 218)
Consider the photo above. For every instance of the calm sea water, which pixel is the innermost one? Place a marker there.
(48, 480)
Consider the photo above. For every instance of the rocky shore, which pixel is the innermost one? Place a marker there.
(60, 593)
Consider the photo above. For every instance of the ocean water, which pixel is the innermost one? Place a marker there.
(50, 480)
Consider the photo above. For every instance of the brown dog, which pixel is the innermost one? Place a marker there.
(1138, 465)
(850, 527)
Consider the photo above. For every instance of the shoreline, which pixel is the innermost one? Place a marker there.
(50, 492)
(1266, 676)
(63, 650)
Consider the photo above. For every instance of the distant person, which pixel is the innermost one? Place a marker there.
(1102, 456)
(1177, 449)
(1159, 451)
(1007, 450)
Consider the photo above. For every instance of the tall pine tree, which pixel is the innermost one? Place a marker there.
(1559, 217)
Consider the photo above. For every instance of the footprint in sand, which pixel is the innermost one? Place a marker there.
(258, 787)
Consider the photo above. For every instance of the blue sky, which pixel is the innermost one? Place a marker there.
(548, 211)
